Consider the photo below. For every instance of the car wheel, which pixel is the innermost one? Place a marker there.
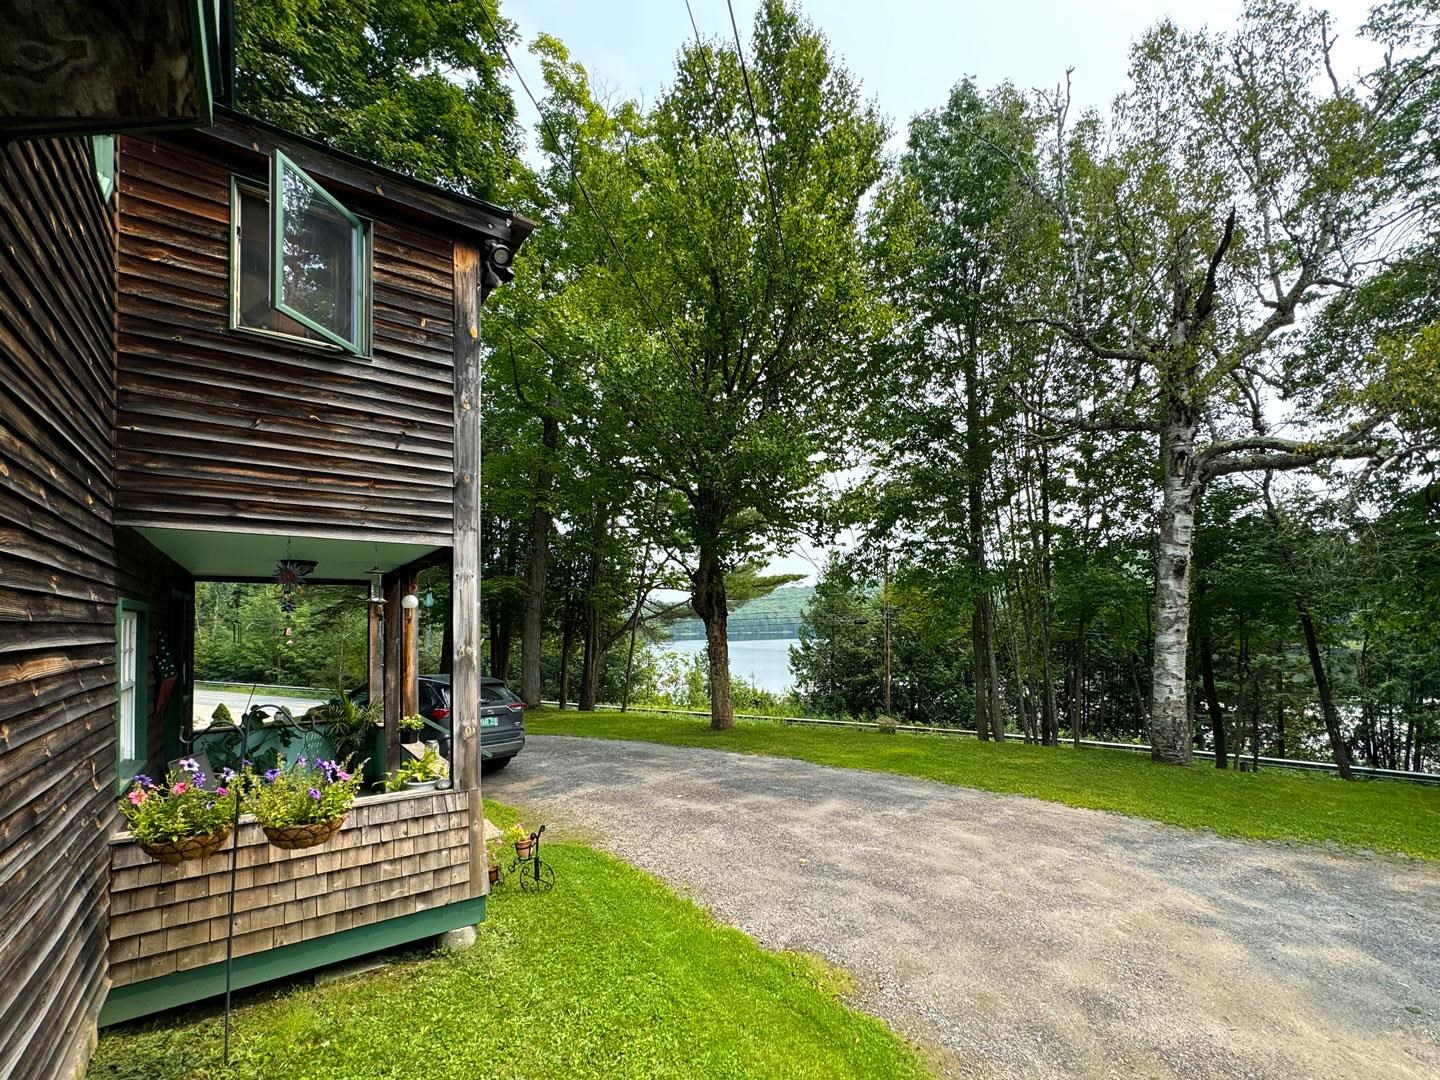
(495, 764)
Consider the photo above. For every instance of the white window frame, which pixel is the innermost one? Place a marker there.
(131, 689)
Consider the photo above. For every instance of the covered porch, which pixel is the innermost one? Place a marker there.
(405, 866)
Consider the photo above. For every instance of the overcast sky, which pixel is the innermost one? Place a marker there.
(906, 53)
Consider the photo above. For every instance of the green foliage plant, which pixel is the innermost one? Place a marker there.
(305, 793)
(428, 767)
(181, 807)
(221, 715)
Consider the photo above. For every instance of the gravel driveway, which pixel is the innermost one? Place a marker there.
(1021, 938)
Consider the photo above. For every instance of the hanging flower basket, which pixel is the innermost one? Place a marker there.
(180, 818)
(303, 804)
(291, 837)
(172, 852)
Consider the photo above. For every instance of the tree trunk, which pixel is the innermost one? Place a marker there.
(980, 670)
(1338, 747)
(532, 629)
(708, 600)
(567, 652)
(1170, 739)
(1212, 701)
(592, 657)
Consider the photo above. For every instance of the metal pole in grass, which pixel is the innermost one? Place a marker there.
(234, 871)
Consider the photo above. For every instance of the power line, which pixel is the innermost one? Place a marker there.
(575, 178)
(755, 119)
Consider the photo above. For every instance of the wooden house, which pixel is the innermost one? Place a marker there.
(196, 384)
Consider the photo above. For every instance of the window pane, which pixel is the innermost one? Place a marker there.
(319, 257)
(256, 302)
(125, 677)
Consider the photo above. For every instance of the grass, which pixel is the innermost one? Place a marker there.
(1275, 804)
(609, 975)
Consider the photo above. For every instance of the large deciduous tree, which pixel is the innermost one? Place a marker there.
(410, 84)
(742, 238)
(1240, 183)
(948, 232)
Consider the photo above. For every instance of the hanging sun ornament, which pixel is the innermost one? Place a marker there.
(291, 573)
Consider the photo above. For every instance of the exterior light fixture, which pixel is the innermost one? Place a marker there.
(377, 586)
(409, 601)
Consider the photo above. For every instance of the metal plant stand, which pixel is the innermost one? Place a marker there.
(535, 874)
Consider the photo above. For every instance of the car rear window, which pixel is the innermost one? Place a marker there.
(496, 695)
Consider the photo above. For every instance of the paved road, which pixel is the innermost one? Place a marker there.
(1026, 939)
(238, 700)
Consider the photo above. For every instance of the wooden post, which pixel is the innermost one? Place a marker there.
(394, 669)
(465, 556)
(409, 648)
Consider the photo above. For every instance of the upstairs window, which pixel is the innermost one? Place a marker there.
(300, 261)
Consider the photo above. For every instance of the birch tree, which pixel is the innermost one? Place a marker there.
(1237, 183)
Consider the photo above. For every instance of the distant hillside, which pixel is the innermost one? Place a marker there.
(773, 616)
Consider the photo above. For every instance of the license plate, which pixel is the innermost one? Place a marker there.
(489, 721)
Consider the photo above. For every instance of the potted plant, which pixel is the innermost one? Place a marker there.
(348, 726)
(413, 725)
(302, 805)
(524, 841)
(420, 774)
(180, 819)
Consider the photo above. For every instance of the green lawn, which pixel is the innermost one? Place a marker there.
(1276, 804)
(610, 975)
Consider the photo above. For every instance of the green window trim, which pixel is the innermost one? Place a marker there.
(102, 160)
(138, 686)
(360, 308)
(244, 186)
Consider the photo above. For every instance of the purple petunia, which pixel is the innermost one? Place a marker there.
(144, 781)
(190, 765)
(227, 774)
(315, 793)
(271, 775)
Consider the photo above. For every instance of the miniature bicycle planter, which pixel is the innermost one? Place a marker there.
(535, 874)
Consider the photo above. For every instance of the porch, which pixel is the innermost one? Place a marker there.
(398, 871)
(400, 868)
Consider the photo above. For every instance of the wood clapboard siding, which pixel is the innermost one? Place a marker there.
(395, 855)
(220, 429)
(57, 603)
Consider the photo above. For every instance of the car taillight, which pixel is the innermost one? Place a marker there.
(516, 706)
(442, 713)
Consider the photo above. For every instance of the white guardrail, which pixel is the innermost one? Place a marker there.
(1142, 748)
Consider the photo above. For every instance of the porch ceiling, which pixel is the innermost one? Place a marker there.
(239, 556)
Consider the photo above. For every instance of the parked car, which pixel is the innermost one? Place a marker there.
(502, 718)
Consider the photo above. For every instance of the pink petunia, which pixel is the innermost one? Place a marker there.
(137, 797)
(180, 788)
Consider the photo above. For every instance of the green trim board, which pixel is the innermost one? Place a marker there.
(281, 167)
(188, 987)
(126, 768)
(242, 186)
